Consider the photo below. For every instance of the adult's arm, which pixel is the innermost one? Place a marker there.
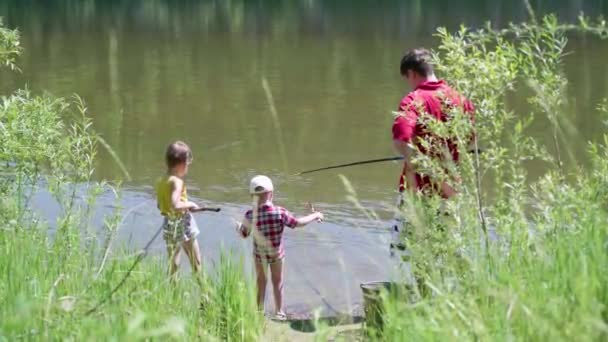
(405, 150)
(404, 129)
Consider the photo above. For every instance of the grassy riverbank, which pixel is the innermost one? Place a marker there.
(551, 285)
(61, 280)
(47, 294)
(522, 259)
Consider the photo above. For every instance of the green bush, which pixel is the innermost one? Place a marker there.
(520, 258)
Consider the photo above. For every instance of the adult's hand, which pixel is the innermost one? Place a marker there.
(405, 150)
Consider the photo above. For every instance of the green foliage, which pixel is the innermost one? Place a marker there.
(229, 309)
(539, 272)
(43, 296)
(10, 48)
(51, 278)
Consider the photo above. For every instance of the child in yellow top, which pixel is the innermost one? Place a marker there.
(179, 227)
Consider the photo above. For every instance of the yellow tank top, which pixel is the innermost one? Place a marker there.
(163, 197)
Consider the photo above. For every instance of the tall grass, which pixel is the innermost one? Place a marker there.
(541, 274)
(45, 296)
(56, 281)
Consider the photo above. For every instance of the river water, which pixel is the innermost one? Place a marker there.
(155, 71)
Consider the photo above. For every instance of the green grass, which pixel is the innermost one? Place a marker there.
(46, 292)
(553, 287)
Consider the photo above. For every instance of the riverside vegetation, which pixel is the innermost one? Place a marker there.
(57, 277)
(521, 258)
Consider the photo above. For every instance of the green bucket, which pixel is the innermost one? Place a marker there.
(373, 305)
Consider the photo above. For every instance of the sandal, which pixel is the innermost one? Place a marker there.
(280, 317)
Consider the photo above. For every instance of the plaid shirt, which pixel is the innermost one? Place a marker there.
(270, 221)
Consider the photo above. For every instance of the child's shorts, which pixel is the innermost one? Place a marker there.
(267, 258)
(181, 229)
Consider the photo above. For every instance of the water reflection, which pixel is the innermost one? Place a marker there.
(367, 17)
(154, 71)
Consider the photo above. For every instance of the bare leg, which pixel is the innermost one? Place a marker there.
(173, 252)
(260, 271)
(194, 254)
(276, 271)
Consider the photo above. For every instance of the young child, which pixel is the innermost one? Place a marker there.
(270, 221)
(179, 227)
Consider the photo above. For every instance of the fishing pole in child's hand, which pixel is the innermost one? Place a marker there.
(142, 254)
(201, 209)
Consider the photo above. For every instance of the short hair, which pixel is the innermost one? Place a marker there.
(178, 153)
(417, 60)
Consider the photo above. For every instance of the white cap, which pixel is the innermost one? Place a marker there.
(260, 185)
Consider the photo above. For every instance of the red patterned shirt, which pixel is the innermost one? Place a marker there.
(270, 222)
(430, 98)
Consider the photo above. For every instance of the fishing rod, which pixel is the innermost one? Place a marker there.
(363, 162)
(371, 161)
(140, 256)
(215, 210)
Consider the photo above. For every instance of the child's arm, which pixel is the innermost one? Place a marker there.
(244, 228)
(304, 220)
(293, 222)
(177, 186)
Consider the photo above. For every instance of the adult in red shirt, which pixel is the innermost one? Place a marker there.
(433, 97)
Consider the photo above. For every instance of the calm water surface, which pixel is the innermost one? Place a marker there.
(155, 71)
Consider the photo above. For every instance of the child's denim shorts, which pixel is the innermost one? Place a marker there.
(180, 229)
